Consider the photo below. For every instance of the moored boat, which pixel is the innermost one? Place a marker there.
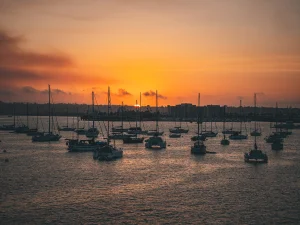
(47, 137)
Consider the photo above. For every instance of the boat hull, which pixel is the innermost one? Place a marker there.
(107, 153)
(201, 150)
(133, 140)
(255, 156)
(174, 135)
(46, 138)
(225, 142)
(238, 137)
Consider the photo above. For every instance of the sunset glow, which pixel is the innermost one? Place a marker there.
(226, 50)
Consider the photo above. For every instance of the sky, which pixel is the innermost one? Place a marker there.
(226, 50)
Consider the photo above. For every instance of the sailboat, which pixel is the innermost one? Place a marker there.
(34, 131)
(46, 137)
(255, 155)
(277, 141)
(179, 129)
(135, 138)
(230, 130)
(83, 145)
(79, 130)
(24, 128)
(119, 132)
(238, 135)
(275, 136)
(224, 141)
(137, 129)
(93, 131)
(67, 128)
(10, 127)
(256, 131)
(198, 147)
(155, 142)
(108, 152)
(210, 133)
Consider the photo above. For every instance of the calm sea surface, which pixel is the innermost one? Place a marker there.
(44, 184)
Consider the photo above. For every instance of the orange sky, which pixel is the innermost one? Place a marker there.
(224, 49)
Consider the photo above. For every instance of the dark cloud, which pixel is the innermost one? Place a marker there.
(28, 93)
(59, 91)
(6, 93)
(123, 92)
(18, 74)
(12, 54)
(29, 90)
(152, 93)
(55, 91)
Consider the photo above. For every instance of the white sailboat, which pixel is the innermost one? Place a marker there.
(198, 147)
(47, 137)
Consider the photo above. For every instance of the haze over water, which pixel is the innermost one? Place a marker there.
(44, 184)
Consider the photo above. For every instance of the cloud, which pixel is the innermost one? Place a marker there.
(29, 93)
(55, 91)
(29, 90)
(12, 54)
(6, 93)
(15, 74)
(152, 93)
(59, 91)
(123, 92)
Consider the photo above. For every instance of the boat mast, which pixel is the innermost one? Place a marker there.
(276, 128)
(77, 125)
(108, 111)
(122, 117)
(156, 102)
(136, 115)
(140, 109)
(240, 116)
(67, 115)
(211, 118)
(224, 122)
(93, 110)
(37, 116)
(27, 115)
(49, 105)
(198, 115)
(255, 146)
(14, 112)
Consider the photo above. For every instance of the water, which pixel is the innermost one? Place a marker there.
(44, 184)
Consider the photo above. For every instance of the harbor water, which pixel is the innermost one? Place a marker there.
(43, 183)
